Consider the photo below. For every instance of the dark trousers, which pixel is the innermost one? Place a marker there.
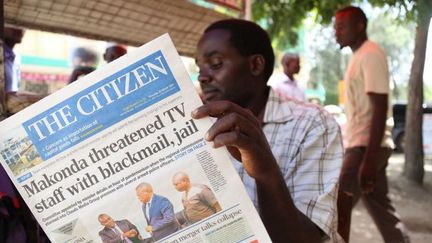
(377, 202)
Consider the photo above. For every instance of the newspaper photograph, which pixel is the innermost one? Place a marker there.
(116, 157)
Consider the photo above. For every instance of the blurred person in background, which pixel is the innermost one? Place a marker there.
(84, 62)
(289, 87)
(16, 100)
(17, 223)
(114, 51)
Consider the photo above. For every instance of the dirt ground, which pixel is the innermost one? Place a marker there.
(412, 202)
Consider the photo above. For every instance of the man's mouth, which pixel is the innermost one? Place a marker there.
(209, 93)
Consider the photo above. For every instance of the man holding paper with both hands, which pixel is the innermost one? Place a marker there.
(291, 153)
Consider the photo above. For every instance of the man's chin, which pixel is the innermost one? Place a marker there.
(341, 46)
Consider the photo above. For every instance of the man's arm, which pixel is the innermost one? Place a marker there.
(367, 173)
(238, 128)
(209, 198)
(131, 229)
(167, 211)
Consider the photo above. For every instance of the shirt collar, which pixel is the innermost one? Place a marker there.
(289, 80)
(150, 201)
(277, 109)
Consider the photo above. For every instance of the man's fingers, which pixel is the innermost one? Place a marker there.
(232, 122)
(219, 109)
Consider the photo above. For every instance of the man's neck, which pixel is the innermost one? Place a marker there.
(291, 77)
(354, 47)
(10, 44)
(257, 106)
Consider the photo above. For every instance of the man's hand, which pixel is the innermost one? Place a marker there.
(149, 228)
(367, 176)
(131, 233)
(239, 129)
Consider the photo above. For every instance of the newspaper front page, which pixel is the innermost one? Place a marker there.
(86, 156)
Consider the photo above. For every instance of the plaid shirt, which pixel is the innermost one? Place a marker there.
(306, 141)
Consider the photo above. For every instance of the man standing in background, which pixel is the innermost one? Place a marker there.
(369, 143)
(17, 224)
(289, 87)
(113, 52)
(15, 100)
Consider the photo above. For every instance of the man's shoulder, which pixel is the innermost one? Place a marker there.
(104, 230)
(122, 221)
(159, 198)
(280, 108)
(313, 112)
(199, 188)
(371, 49)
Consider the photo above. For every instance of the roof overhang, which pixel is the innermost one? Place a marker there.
(130, 22)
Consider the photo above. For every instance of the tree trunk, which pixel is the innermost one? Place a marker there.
(414, 155)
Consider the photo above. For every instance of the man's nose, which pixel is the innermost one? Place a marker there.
(204, 76)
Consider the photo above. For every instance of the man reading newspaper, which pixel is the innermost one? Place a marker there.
(290, 152)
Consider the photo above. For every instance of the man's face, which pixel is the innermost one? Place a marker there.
(180, 184)
(144, 194)
(224, 73)
(293, 65)
(113, 53)
(106, 221)
(346, 30)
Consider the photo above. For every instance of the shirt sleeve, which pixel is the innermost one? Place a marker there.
(208, 196)
(375, 72)
(317, 176)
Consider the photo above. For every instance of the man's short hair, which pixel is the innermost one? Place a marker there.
(289, 55)
(144, 185)
(181, 175)
(356, 12)
(249, 39)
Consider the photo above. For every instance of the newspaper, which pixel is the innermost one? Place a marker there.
(80, 154)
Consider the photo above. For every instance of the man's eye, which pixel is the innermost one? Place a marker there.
(216, 65)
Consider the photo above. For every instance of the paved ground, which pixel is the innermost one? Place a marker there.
(412, 202)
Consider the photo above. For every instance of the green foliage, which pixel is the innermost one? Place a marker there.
(332, 98)
(427, 92)
(283, 18)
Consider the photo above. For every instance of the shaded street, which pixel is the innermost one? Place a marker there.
(413, 204)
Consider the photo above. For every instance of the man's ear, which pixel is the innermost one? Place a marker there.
(256, 64)
(361, 26)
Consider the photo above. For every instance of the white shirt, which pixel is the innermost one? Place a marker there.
(147, 209)
(291, 89)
